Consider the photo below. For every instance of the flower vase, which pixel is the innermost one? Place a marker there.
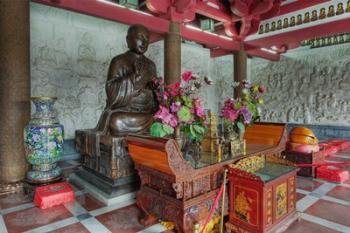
(43, 139)
(234, 142)
(237, 143)
(178, 137)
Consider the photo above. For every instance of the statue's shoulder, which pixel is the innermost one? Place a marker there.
(120, 59)
(149, 62)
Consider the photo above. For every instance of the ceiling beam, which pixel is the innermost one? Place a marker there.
(155, 24)
(298, 5)
(209, 39)
(219, 53)
(257, 52)
(251, 51)
(203, 8)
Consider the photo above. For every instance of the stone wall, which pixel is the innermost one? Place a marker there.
(70, 54)
(306, 86)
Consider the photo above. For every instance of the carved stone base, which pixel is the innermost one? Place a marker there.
(107, 168)
(11, 188)
(104, 154)
(105, 190)
(109, 186)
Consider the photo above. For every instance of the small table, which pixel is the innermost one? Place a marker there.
(261, 198)
(305, 158)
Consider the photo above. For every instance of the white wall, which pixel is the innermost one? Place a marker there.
(70, 54)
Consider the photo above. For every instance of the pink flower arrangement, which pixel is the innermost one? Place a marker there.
(178, 107)
(164, 115)
(239, 113)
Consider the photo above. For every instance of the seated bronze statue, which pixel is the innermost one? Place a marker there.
(129, 108)
(130, 99)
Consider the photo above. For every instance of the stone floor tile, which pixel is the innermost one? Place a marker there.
(89, 202)
(340, 192)
(73, 228)
(330, 211)
(300, 196)
(34, 217)
(307, 184)
(124, 220)
(308, 227)
(94, 226)
(13, 200)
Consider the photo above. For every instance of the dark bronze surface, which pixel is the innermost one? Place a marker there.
(129, 108)
(130, 98)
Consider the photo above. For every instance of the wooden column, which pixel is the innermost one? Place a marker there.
(239, 69)
(14, 92)
(172, 54)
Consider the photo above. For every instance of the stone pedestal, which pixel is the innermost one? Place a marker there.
(14, 92)
(107, 169)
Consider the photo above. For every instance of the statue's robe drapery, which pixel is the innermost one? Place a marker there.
(125, 97)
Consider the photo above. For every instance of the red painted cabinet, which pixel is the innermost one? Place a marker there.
(261, 200)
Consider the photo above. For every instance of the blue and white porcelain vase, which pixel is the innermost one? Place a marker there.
(43, 139)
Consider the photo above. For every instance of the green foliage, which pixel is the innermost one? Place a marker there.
(160, 130)
(195, 132)
(253, 109)
(240, 127)
(187, 101)
(184, 114)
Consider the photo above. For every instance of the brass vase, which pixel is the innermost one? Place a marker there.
(179, 137)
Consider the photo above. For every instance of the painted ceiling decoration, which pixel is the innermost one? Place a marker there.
(263, 28)
(246, 16)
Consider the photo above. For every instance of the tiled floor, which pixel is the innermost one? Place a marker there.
(324, 208)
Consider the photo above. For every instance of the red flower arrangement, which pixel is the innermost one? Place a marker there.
(179, 107)
(239, 113)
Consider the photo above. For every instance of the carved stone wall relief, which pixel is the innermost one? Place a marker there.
(311, 86)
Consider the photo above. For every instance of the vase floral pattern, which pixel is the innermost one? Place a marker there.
(43, 138)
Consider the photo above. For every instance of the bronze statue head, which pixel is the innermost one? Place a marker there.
(138, 38)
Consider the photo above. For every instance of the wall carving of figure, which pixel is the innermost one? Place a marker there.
(88, 66)
(311, 89)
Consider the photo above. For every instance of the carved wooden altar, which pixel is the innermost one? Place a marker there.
(181, 191)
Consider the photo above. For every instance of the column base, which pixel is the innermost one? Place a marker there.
(11, 188)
